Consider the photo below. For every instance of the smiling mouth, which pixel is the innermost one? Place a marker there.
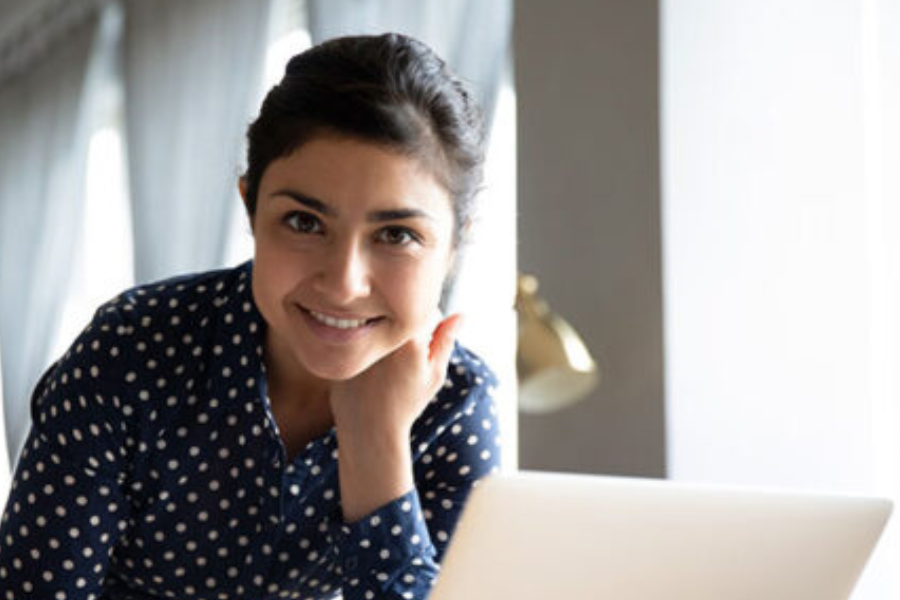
(339, 323)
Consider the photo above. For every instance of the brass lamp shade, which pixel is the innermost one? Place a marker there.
(554, 366)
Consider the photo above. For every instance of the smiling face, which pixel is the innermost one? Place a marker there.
(353, 242)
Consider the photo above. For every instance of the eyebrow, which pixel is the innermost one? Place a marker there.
(379, 216)
(316, 205)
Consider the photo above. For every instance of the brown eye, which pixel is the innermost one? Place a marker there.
(303, 222)
(397, 236)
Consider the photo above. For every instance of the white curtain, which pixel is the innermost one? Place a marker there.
(45, 123)
(471, 35)
(192, 74)
(4, 451)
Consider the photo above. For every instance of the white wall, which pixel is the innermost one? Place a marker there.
(780, 264)
(765, 225)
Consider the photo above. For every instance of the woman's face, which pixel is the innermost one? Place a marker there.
(353, 242)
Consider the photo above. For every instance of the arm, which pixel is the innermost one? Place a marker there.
(394, 551)
(374, 413)
(66, 508)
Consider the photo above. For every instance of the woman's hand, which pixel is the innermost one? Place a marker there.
(390, 395)
(374, 412)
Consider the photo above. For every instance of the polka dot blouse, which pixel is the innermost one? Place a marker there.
(154, 468)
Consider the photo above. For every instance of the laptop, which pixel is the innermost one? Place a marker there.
(540, 536)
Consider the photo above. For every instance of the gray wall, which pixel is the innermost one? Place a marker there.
(589, 221)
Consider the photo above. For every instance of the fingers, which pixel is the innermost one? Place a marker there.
(441, 347)
(442, 339)
(432, 343)
(430, 350)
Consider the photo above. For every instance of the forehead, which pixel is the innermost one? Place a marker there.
(349, 174)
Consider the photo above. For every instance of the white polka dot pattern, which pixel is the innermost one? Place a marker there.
(154, 468)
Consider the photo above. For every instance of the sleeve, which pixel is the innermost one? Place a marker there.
(66, 506)
(387, 555)
(395, 552)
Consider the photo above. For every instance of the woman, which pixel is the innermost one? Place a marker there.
(302, 425)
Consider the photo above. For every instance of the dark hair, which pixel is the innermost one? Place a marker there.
(388, 89)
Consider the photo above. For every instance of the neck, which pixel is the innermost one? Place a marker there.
(287, 379)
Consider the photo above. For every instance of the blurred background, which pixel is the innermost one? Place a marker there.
(707, 191)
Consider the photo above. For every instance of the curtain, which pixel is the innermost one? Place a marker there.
(471, 35)
(5, 463)
(193, 72)
(46, 118)
(30, 29)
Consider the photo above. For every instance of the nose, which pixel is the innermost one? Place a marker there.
(344, 275)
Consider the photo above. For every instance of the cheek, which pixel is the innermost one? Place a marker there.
(415, 289)
(276, 274)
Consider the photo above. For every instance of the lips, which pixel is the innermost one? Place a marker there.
(338, 322)
(333, 329)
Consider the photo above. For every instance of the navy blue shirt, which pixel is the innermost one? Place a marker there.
(154, 467)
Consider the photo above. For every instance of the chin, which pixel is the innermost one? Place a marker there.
(335, 369)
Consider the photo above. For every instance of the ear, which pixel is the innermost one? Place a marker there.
(242, 189)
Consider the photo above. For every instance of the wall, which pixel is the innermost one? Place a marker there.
(589, 221)
(766, 231)
(782, 270)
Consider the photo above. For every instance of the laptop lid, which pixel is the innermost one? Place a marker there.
(531, 536)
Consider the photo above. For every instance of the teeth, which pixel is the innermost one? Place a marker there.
(338, 323)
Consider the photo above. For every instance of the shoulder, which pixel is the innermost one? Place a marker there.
(457, 439)
(468, 374)
(177, 295)
(466, 397)
(128, 326)
(168, 325)
(98, 375)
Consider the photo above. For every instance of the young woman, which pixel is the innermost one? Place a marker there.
(303, 425)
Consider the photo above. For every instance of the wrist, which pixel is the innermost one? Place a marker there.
(374, 468)
(371, 447)
(386, 435)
